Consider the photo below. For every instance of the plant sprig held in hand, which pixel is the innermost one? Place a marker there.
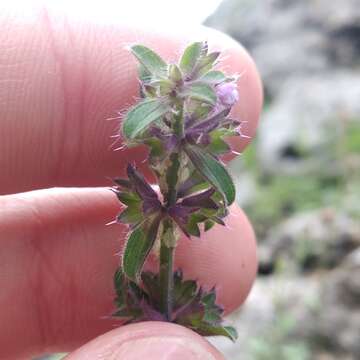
(183, 118)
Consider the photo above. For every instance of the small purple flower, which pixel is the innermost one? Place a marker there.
(227, 93)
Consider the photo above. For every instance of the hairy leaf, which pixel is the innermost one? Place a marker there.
(142, 115)
(208, 225)
(138, 247)
(202, 92)
(127, 198)
(207, 62)
(151, 61)
(130, 215)
(211, 330)
(213, 171)
(213, 77)
(175, 74)
(190, 57)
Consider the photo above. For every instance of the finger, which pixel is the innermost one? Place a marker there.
(59, 259)
(151, 341)
(61, 78)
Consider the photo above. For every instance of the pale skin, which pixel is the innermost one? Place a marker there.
(60, 79)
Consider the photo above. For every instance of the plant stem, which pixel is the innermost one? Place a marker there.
(166, 278)
(168, 239)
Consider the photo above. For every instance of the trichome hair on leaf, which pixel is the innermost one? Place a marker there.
(184, 118)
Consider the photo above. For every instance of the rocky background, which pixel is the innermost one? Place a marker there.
(299, 182)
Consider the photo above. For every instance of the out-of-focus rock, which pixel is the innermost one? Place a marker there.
(308, 53)
(292, 37)
(336, 325)
(308, 116)
(265, 312)
(311, 240)
(320, 312)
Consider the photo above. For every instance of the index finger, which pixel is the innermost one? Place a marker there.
(62, 78)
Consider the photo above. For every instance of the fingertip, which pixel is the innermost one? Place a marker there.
(224, 257)
(149, 340)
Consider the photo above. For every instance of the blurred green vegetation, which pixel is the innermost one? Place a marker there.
(280, 196)
(277, 344)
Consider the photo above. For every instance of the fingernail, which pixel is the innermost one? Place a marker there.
(162, 348)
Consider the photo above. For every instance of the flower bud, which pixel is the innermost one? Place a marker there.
(227, 93)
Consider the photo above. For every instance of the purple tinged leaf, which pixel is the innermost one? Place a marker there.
(141, 186)
(150, 206)
(205, 126)
(218, 220)
(169, 141)
(122, 183)
(180, 214)
(150, 314)
(209, 124)
(202, 200)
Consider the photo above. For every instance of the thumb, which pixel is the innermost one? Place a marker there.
(148, 340)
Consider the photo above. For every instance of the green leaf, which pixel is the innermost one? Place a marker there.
(218, 146)
(143, 74)
(175, 73)
(184, 290)
(119, 283)
(202, 92)
(208, 225)
(142, 115)
(138, 247)
(156, 147)
(131, 215)
(213, 171)
(151, 61)
(210, 330)
(192, 227)
(190, 57)
(128, 198)
(206, 63)
(151, 284)
(213, 77)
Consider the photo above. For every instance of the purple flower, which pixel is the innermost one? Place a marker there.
(227, 93)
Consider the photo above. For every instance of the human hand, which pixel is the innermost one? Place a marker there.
(61, 78)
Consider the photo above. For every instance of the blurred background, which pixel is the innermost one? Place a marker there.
(299, 181)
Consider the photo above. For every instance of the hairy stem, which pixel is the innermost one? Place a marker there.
(166, 275)
(168, 240)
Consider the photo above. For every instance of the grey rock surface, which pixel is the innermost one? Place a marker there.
(312, 240)
(309, 114)
(291, 37)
